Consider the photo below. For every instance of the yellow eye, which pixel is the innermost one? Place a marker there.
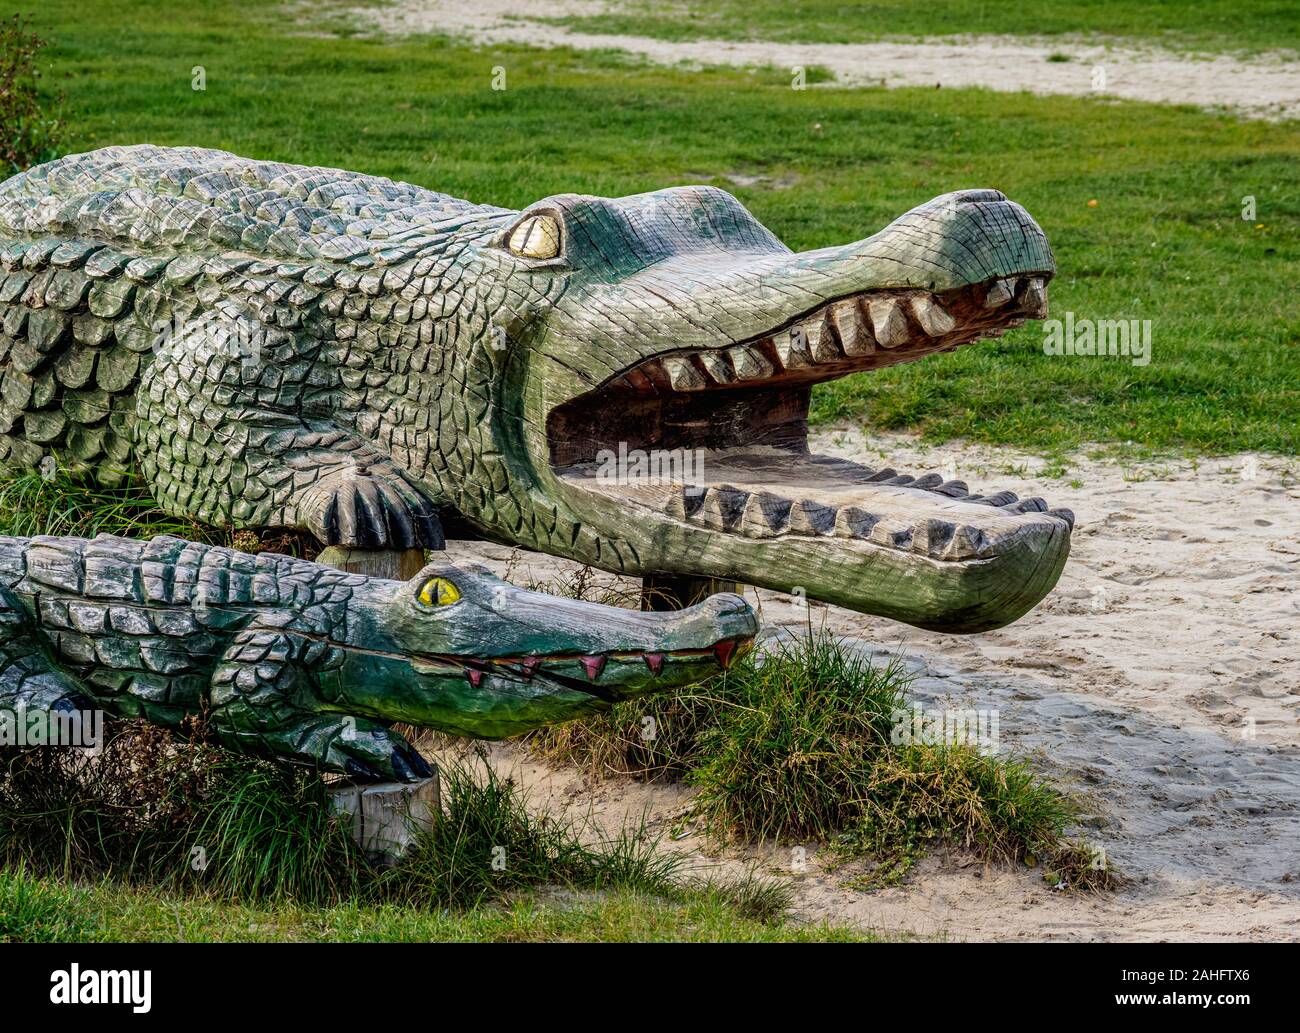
(537, 237)
(438, 591)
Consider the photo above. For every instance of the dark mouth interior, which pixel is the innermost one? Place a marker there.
(757, 392)
(745, 407)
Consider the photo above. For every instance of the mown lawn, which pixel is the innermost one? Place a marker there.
(36, 910)
(1201, 24)
(1165, 240)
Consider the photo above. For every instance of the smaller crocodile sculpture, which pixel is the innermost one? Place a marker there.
(293, 660)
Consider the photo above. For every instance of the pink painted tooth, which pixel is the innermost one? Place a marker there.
(474, 675)
(654, 661)
(724, 651)
(531, 663)
(593, 665)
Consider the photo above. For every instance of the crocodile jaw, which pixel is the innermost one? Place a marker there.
(728, 489)
(504, 660)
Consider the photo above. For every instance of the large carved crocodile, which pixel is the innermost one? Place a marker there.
(359, 358)
(287, 658)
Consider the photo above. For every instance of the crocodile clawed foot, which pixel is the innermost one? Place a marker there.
(370, 510)
(372, 753)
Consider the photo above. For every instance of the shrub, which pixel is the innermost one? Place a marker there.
(29, 132)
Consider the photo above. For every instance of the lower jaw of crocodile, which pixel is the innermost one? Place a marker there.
(608, 675)
(504, 696)
(698, 463)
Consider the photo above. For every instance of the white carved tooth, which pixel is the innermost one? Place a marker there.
(821, 338)
(766, 515)
(967, 543)
(792, 348)
(723, 508)
(1034, 298)
(930, 537)
(855, 337)
(887, 322)
(933, 319)
(893, 534)
(718, 366)
(683, 504)
(750, 363)
(1000, 293)
(809, 517)
(683, 375)
(852, 522)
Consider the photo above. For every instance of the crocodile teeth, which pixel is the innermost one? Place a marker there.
(892, 533)
(855, 338)
(749, 363)
(1034, 298)
(811, 517)
(1030, 505)
(933, 319)
(820, 335)
(654, 661)
(1000, 293)
(792, 348)
(686, 503)
(593, 665)
(852, 522)
(724, 651)
(930, 537)
(888, 323)
(531, 663)
(1064, 514)
(683, 375)
(475, 676)
(723, 508)
(718, 366)
(966, 542)
(766, 515)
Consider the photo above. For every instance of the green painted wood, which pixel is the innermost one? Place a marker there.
(275, 346)
(294, 660)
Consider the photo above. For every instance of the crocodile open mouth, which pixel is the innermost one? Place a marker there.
(595, 674)
(713, 442)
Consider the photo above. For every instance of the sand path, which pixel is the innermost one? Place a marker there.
(1266, 86)
(1161, 677)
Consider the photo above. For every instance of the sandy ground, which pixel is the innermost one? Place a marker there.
(1263, 87)
(1161, 678)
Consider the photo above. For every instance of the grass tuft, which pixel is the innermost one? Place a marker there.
(67, 504)
(796, 745)
(194, 818)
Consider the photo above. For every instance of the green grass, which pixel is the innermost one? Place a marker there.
(1202, 24)
(36, 909)
(157, 840)
(800, 746)
(1164, 242)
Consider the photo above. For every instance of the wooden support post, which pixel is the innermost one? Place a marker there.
(384, 817)
(678, 591)
(394, 564)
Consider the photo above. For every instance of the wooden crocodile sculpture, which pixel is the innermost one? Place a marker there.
(280, 346)
(293, 660)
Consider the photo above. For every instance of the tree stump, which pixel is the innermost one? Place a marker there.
(678, 591)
